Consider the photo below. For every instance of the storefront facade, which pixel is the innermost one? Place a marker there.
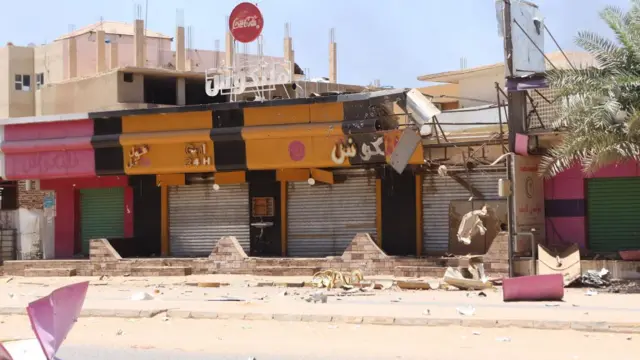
(286, 178)
(596, 211)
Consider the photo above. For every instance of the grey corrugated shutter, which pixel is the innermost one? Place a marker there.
(323, 219)
(101, 214)
(199, 216)
(437, 194)
(613, 205)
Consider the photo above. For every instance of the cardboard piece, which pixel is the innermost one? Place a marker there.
(566, 263)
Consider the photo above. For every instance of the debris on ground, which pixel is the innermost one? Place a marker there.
(317, 297)
(596, 279)
(566, 263)
(503, 339)
(591, 292)
(226, 298)
(413, 285)
(469, 278)
(333, 278)
(140, 296)
(466, 310)
(207, 284)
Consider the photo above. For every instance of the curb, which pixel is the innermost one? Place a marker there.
(589, 326)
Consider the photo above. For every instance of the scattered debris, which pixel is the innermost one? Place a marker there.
(316, 297)
(565, 263)
(426, 312)
(413, 285)
(119, 332)
(284, 293)
(503, 339)
(551, 305)
(476, 333)
(7, 280)
(596, 279)
(226, 298)
(591, 292)
(396, 300)
(207, 284)
(482, 294)
(466, 311)
(140, 296)
(333, 278)
(471, 278)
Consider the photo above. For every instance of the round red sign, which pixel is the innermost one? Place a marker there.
(246, 22)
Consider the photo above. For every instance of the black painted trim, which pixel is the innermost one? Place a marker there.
(229, 150)
(564, 208)
(108, 155)
(214, 107)
(261, 176)
(147, 214)
(107, 126)
(227, 118)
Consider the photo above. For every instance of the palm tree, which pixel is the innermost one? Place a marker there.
(601, 108)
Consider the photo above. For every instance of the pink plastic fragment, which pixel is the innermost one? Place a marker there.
(52, 318)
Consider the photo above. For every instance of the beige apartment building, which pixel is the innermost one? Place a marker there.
(113, 65)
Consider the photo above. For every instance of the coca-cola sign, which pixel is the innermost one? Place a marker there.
(246, 22)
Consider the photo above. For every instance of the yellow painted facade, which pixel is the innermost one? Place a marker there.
(167, 152)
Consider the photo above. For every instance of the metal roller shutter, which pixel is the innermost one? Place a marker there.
(101, 214)
(199, 216)
(323, 219)
(613, 205)
(437, 194)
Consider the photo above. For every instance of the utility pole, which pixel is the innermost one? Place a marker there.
(517, 102)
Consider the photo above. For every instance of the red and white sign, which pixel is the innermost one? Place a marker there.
(246, 22)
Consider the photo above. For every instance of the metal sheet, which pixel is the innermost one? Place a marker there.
(199, 216)
(323, 219)
(102, 214)
(437, 194)
(404, 150)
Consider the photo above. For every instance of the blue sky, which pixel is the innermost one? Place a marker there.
(391, 40)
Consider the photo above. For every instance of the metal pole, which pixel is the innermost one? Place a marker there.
(508, 52)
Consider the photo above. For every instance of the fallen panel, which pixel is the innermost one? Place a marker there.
(404, 150)
(566, 263)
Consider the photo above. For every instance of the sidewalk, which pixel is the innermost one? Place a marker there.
(172, 297)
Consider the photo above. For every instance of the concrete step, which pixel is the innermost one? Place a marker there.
(46, 272)
(419, 271)
(161, 271)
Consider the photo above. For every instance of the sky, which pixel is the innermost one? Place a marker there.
(394, 41)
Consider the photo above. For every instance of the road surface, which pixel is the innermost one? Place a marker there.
(160, 338)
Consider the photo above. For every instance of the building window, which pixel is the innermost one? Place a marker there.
(39, 80)
(23, 82)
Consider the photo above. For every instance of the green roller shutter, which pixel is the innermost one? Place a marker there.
(613, 206)
(102, 214)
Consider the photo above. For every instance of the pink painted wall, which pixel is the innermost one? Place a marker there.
(49, 150)
(67, 191)
(570, 185)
